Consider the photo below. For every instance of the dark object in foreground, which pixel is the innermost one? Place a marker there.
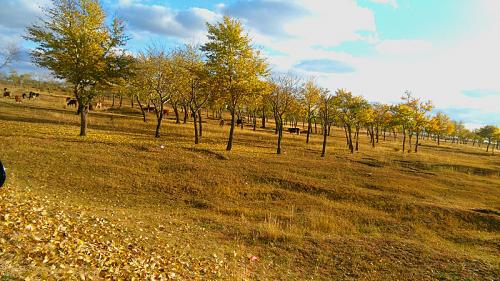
(294, 131)
(3, 176)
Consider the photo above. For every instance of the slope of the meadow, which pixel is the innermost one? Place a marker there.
(119, 203)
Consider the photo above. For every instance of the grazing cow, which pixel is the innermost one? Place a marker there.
(33, 95)
(294, 130)
(165, 112)
(6, 94)
(18, 98)
(221, 123)
(239, 122)
(72, 102)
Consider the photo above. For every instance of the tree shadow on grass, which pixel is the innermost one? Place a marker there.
(456, 150)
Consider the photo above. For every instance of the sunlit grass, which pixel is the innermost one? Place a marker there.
(376, 214)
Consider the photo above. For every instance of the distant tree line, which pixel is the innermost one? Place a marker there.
(31, 80)
(225, 75)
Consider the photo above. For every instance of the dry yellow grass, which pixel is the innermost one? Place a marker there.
(374, 215)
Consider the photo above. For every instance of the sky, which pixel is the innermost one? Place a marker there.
(447, 51)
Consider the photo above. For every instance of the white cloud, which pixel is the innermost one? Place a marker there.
(403, 47)
(184, 24)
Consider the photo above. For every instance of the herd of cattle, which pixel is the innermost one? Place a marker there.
(74, 102)
(30, 95)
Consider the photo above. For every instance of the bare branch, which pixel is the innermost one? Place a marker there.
(9, 54)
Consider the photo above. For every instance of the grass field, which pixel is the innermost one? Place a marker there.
(120, 203)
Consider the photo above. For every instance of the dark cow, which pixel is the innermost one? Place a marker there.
(294, 131)
(239, 122)
(25, 96)
(18, 98)
(72, 102)
(33, 95)
(221, 123)
(68, 99)
(6, 93)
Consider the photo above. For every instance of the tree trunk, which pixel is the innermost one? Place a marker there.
(132, 102)
(231, 132)
(142, 109)
(315, 127)
(195, 123)
(325, 132)
(416, 143)
(439, 139)
(349, 130)
(186, 114)
(83, 120)
(410, 135)
(113, 103)
(263, 118)
(254, 121)
(372, 136)
(346, 135)
(404, 139)
(176, 111)
(276, 124)
(200, 124)
(121, 102)
(488, 146)
(159, 118)
(377, 132)
(279, 126)
(357, 138)
(308, 130)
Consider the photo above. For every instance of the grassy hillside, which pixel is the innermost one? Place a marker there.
(120, 203)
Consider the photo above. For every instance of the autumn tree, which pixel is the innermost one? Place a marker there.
(380, 117)
(421, 119)
(136, 86)
(310, 102)
(191, 72)
(284, 90)
(488, 132)
(75, 43)
(156, 70)
(234, 65)
(440, 124)
(404, 119)
(349, 110)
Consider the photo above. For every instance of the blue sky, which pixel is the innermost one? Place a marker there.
(443, 50)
